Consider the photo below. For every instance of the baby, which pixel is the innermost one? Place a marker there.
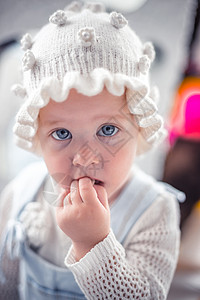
(112, 231)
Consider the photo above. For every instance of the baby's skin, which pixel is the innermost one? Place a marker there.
(84, 215)
(89, 145)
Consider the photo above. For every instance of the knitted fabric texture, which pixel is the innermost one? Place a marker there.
(86, 49)
(36, 223)
(143, 270)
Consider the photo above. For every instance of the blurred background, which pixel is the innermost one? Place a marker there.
(174, 28)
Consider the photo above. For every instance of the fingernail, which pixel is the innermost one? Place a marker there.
(86, 180)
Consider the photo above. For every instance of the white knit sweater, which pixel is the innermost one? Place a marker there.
(142, 268)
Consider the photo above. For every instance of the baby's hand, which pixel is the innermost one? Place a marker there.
(84, 215)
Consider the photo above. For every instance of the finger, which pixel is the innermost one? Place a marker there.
(102, 195)
(67, 200)
(74, 193)
(86, 190)
(61, 198)
(61, 204)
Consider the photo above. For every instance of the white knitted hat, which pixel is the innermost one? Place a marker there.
(86, 48)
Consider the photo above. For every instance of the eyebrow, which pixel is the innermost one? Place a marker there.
(52, 122)
(117, 116)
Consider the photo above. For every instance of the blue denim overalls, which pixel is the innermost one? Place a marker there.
(41, 280)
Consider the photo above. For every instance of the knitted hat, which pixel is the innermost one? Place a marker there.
(86, 48)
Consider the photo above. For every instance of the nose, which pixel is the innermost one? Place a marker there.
(86, 157)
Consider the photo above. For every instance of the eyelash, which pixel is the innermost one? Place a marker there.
(54, 134)
(59, 130)
(116, 129)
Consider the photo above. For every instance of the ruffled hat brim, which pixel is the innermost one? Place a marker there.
(140, 100)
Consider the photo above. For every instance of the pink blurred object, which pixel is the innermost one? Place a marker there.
(186, 124)
(192, 116)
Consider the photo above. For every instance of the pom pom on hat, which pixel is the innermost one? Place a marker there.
(75, 6)
(118, 20)
(59, 18)
(95, 7)
(87, 36)
(26, 42)
(28, 60)
(144, 64)
(149, 51)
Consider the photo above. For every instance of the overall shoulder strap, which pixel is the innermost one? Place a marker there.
(26, 186)
(137, 197)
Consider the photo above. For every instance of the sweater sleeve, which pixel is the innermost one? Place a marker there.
(142, 268)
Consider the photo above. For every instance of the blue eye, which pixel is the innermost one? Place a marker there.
(62, 134)
(108, 130)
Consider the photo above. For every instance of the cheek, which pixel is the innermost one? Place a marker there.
(55, 159)
(117, 171)
(126, 154)
(59, 169)
(56, 163)
(121, 163)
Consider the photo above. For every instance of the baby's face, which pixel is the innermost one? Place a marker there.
(89, 136)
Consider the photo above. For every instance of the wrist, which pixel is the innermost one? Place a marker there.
(80, 249)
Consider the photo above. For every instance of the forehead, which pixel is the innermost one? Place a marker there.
(78, 105)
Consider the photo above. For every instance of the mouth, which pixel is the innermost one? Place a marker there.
(97, 182)
(94, 181)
